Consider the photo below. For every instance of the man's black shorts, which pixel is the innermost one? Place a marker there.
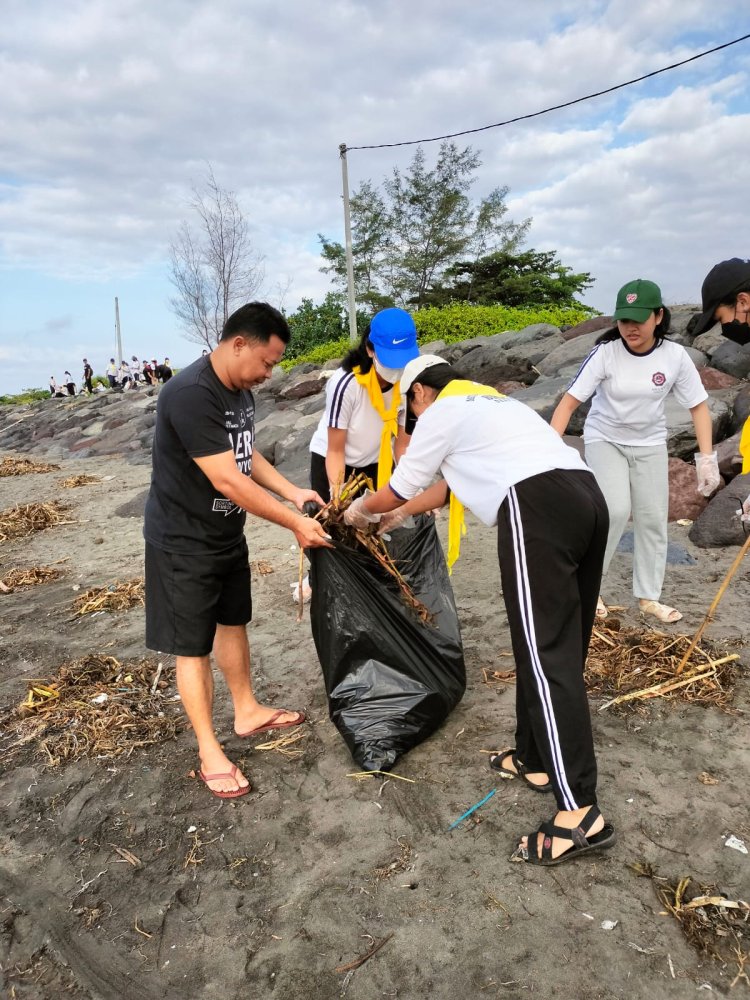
(187, 596)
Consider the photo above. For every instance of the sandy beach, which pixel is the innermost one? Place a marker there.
(277, 893)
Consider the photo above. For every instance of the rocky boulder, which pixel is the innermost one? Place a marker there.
(684, 499)
(732, 358)
(594, 325)
(719, 523)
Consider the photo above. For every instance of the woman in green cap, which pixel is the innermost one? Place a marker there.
(630, 372)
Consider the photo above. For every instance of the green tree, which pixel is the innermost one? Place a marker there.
(312, 325)
(405, 237)
(529, 278)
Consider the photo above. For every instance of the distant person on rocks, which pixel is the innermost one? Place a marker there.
(53, 389)
(166, 371)
(725, 297)
(112, 373)
(126, 379)
(88, 374)
(70, 384)
(630, 372)
(206, 474)
(135, 368)
(149, 376)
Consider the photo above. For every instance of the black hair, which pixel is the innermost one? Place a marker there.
(731, 298)
(257, 321)
(358, 355)
(660, 331)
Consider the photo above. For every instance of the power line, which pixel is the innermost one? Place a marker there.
(556, 107)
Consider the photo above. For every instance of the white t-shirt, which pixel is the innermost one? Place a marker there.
(482, 445)
(630, 390)
(348, 408)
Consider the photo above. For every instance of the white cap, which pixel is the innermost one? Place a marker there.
(415, 367)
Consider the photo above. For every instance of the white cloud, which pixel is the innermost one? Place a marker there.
(111, 112)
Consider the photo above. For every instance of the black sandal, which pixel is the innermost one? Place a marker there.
(581, 843)
(496, 764)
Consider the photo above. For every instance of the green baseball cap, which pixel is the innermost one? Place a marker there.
(637, 300)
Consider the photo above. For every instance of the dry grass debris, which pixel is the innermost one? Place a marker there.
(28, 518)
(714, 924)
(332, 518)
(117, 596)
(285, 745)
(28, 576)
(82, 480)
(10, 466)
(93, 707)
(629, 666)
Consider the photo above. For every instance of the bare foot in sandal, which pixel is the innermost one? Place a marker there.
(570, 834)
(660, 611)
(507, 762)
(601, 608)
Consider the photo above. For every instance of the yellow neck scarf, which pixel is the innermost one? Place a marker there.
(745, 446)
(456, 521)
(389, 418)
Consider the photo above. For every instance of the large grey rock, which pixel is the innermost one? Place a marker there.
(732, 358)
(710, 340)
(728, 455)
(679, 327)
(681, 440)
(292, 452)
(566, 358)
(741, 408)
(509, 356)
(597, 324)
(302, 385)
(712, 378)
(543, 396)
(273, 429)
(698, 358)
(719, 523)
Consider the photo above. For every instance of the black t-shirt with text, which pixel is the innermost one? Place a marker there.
(197, 416)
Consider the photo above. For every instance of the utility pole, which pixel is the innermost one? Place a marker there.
(117, 333)
(353, 335)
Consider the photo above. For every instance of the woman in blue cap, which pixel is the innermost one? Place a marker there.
(363, 422)
(630, 372)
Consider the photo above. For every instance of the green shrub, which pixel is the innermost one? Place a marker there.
(460, 321)
(27, 396)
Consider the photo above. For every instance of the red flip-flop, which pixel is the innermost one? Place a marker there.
(273, 724)
(224, 795)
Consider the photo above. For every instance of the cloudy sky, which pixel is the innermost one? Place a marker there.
(111, 111)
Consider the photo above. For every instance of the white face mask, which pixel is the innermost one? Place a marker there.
(391, 375)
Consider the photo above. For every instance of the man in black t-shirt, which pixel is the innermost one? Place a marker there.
(206, 474)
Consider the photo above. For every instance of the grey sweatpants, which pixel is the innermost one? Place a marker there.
(635, 479)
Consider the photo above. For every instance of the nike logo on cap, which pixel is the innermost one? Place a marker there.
(400, 341)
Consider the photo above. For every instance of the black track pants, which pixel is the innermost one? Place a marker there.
(551, 537)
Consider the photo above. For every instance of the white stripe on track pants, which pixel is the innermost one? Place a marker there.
(552, 533)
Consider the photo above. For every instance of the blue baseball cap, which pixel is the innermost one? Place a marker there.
(393, 336)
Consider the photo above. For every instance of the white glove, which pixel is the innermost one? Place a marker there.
(397, 518)
(707, 471)
(745, 511)
(356, 516)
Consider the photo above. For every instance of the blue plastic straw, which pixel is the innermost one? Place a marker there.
(473, 809)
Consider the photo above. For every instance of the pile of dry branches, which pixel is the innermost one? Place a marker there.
(116, 597)
(332, 518)
(714, 924)
(23, 466)
(93, 707)
(82, 480)
(29, 576)
(628, 665)
(25, 519)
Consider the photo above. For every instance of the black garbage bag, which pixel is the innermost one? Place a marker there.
(391, 679)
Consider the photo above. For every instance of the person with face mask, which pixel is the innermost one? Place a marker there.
(363, 422)
(725, 297)
(630, 372)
